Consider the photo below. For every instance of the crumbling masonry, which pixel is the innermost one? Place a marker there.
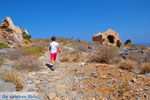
(109, 37)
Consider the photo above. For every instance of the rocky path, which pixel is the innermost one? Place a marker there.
(52, 85)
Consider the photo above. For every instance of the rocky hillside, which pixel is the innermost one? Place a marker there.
(11, 34)
(85, 71)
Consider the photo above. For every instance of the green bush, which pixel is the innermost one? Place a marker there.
(27, 37)
(3, 45)
(1, 61)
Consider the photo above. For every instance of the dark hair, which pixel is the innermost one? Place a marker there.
(53, 38)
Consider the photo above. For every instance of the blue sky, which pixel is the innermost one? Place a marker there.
(80, 18)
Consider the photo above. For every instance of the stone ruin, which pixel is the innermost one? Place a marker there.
(11, 34)
(110, 37)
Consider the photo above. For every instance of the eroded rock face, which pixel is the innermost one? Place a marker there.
(109, 37)
(11, 34)
(128, 42)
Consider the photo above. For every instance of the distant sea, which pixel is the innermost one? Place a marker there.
(143, 44)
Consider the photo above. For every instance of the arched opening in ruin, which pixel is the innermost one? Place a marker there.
(111, 38)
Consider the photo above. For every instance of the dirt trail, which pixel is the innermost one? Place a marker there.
(54, 85)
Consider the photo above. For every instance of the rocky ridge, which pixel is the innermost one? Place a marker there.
(11, 34)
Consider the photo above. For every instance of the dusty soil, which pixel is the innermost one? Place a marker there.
(79, 80)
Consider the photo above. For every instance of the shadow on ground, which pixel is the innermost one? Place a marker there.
(50, 66)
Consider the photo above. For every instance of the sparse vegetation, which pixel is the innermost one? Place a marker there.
(64, 59)
(1, 60)
(3, 45)
(27, 37)
(13, 77)
(37, 50)
(145, 68)
(64, 41)
(16, 54)
(137, 47)
(127, 65)
(43, 43)
(105, 55)
(27, 63)
(26, 58)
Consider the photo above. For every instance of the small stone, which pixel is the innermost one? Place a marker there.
(52, 95)
(147, 75)
(145, 96)
(134, 80)
(113, 81)
(81, 78)
(29, 88)
(6, 68)
(95, 85)
(28, 82)
(146, 89)
(82, 63)
(93, 75)
(7, 86)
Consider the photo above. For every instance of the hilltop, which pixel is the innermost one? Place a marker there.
(85, 71)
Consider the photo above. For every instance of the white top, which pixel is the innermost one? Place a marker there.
(53, 45)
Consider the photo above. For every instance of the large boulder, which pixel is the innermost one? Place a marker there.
(11, 34)
(128, 42)
(7, 86)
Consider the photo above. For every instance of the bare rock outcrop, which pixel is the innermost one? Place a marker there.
(110, 37)
(11, 34)
(128, 42)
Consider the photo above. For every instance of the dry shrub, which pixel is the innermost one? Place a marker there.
(43, 43)
(134, 57)
(14, 78)
(105, 55)
(23, 51)
(16, 54)
(26, 58)
(27, 63)
(146, 57)
(127, 65)
(64, 59)
(145, 68)
(86, 47)
(138, 47)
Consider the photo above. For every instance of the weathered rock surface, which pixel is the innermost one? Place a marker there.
(128, 42)
(7, 86)
(11, 34)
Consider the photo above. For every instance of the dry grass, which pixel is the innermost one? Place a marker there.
(16, 54)
(138, 47)
(1, 61)
(27, 63)
(127, 65)
(145, 68)
(43, 43)
(36, 50)
(146, 57)
(26, 58)
(13, 77)
(64, 59)
(105, 55)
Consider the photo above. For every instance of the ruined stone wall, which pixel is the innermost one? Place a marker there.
(109, 37)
